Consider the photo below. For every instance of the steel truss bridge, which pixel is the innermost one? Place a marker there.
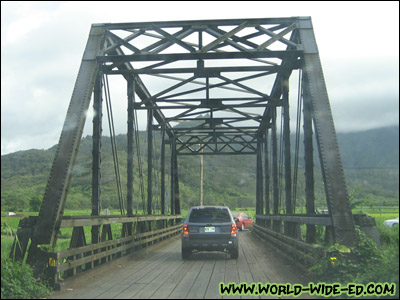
(210, 87)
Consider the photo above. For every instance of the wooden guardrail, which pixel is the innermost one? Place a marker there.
(144, 231)
(303, 252)
(270, 228)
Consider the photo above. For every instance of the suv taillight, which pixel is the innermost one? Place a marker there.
(185, 229)
(234, 230)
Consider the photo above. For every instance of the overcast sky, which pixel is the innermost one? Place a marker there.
(42, 45)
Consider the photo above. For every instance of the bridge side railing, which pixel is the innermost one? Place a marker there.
(136, 232)
(271, 229)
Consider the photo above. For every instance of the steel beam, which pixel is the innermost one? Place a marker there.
(331, 164)
(323, 220)
(149, 160)
(96, 154)
(142, 91)
(275, 189)
(130, 137)
(217, 153)
(52, 207)
(162, 171)
(211, 70)
(287, 65)
(197, 56)
(308, 159)
(259, 179)
(174, 39)
(224, 37)
(201, 23)
(289, 227)
(173, 178)
(218, 85)
(181, 105)
(176, 181)
(266, 173)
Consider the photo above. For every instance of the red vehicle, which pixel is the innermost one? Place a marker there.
(242, 220)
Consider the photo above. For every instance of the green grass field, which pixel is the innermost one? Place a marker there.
(9, 225)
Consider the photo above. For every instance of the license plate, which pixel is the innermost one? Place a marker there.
(209, 229)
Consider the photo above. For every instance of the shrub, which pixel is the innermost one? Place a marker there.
(362, 263)
(18, 282)
(389, 235)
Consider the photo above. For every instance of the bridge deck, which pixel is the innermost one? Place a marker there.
(159, 272)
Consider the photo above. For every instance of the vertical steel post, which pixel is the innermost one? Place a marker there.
(149, 160)
(163, 171)
(289, 227)
(131, 100)
(276, 224)
(267, 177)
(173, 157)
(177, 200)
(202, 178)
(96, 154)
(259, 179)
(308, 159)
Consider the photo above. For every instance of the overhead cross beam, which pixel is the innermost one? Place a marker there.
(209, 42)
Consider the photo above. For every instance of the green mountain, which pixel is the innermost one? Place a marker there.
(375, 148)
(370, 160)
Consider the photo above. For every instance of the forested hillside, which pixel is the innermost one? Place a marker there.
(370, 160)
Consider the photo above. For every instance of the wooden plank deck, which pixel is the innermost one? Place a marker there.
(159, 273)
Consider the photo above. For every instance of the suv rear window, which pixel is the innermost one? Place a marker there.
(209, 215)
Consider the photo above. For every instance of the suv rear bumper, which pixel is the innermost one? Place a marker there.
(209, 245)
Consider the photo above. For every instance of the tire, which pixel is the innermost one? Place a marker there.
(186, 252)
(235, 253)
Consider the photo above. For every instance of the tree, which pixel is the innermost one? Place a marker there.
(14, 203)
(34, 203)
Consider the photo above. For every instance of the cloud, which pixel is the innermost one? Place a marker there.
(42, 45)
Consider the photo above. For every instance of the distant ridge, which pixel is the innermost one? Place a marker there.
(374, 148)
(370, 160)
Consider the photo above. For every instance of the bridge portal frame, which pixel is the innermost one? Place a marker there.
(265, 47)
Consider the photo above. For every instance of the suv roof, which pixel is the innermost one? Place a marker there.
(209, 206)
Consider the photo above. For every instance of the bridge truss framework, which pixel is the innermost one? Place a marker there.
(222, 82)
